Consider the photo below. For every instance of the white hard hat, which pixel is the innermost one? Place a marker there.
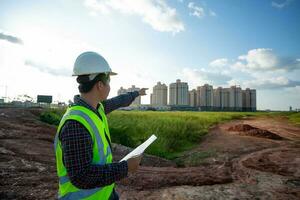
(91, 63)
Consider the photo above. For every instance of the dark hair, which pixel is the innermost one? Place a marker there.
(86, 85)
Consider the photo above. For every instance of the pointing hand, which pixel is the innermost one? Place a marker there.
(142, 91)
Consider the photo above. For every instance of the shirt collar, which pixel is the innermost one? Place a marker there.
(81, 102)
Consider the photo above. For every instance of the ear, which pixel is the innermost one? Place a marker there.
(100, 85)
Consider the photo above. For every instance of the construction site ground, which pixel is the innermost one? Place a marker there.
(251, 158)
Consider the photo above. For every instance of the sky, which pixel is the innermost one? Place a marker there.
(248, 43)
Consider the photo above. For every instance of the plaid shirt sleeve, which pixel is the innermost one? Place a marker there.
(77, 157)
(122, 100)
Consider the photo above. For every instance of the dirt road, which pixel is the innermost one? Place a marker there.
(255, 158)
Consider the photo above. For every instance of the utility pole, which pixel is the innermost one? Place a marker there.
(6, 88)
(6, 92)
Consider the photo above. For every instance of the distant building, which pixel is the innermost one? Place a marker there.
(253, 99)
(193, 98)
(205, 96)
(235, 98)
(226, 99)
(217, 98)
(137, 100)
(246, 99)
(122, 91)
(159, 97)
(178, 93)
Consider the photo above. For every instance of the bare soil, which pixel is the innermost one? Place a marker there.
(253, 158)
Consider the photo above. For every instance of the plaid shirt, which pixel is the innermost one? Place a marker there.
(77, 149)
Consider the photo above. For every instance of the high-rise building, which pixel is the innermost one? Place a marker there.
(137, 100)
(172, 94)
(151, 99)
(205, 96)
(225, 98)
(218, 97)
(202, 98)
(178, 93)
(246, 99)
(122, 91)
(249, 99)
(159, 96)
(253, 99)
(235, 98)
(193, 98)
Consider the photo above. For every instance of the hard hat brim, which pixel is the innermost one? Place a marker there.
(110, 73)
(113, 73)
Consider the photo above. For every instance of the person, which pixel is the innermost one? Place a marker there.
(83, 143)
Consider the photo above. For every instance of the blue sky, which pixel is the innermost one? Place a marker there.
(249, 43)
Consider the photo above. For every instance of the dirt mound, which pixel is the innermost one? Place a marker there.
(248, 130)
(241, 127)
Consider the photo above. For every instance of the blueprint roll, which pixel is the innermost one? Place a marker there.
(140, 149)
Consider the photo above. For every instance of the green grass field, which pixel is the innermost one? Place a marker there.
(176, 131)
(294, 118)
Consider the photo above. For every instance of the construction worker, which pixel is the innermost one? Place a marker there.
(83, 143)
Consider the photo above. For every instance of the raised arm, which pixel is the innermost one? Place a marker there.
(122, 100)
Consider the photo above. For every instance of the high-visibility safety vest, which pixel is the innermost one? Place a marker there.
(101, 153)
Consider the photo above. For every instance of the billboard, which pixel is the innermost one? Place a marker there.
(44, 99)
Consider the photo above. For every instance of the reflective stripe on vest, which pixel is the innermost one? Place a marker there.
(101, 152)
(102, 113)
(92, 194)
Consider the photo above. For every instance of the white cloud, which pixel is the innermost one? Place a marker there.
(258, 60)
(260, 69)
(42, 65)
(23, 79)
(10, 38)
(196, 10)
(63, 71)
(272, 83)
(156, 13)
(219, 63)
(200, 11)
(199, 77)
(51, 51)
(265, 60)
(48, 55)
(281, 5)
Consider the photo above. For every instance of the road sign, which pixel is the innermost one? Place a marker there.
(44, 99)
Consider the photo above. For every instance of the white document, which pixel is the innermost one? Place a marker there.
(140, 149)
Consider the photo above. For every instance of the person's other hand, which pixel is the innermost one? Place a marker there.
(142, 91)
(133, 163)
